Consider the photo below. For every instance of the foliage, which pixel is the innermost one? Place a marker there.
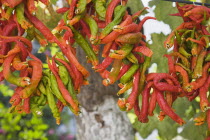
(15, 126)
(158, 52)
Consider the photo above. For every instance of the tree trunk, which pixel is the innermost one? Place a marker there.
(101, 118)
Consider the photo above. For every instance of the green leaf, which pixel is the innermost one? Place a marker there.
(167, 129)
(162, 11)
(158, 52)
(5, 90)
(193, 132)
(135, 5)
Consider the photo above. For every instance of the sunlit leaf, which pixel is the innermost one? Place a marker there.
(135, 5)
(162, 11)
(158, 52)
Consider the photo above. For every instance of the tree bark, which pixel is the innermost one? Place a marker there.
(100, 116)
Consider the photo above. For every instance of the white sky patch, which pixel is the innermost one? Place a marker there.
(153, 26)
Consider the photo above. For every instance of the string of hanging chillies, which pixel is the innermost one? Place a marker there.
(188, 66)
(87, 23)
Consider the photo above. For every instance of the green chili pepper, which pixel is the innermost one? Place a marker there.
(100, 8)
(81, 6)
(72, 92)
(21, 18)
(194, 50)
(143, 69)
(199, 65)
(129, 74)
(114, 72)
(34, 107)
(131, 57)
(93, 29)
(178, 37)
(184, 60)
(43, 100)
(63, 73)
(184, 52)
(122, 53)
(41, 87)
(8, 13)
(117, 19)
(52, 103)
(207, 57)
(30, 33)
(61, 56)
(55, 89)
(85, 46)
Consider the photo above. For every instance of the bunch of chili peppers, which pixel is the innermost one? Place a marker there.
(107, 26)
(86, 23)
(188, 65)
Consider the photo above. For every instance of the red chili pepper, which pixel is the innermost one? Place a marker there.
(140, 25)
(10, 77)
(138, 13)
(85, 28)
(208, 122)
(126, 29)
(15, 99)
(18, 64)
(203, 95)
(136, 108)
(104, 74)
(152, 102)
(122, 103)
(26, 105)
(123, 70)
(145, 103)
(167, 109)
(8, 39)
(113, 35)
(110, 10)
(196, 41)
(200, 81)
(165, 86)
(72, 59)
(11, 3)
(46, 2)
(185, 78)
(105, 63)
(54, 64)
(59, 105)
(144, 50)
(36, 77)
(171, 67)
(62, 10)
(31, 6)
(40, 26)
(134, 93)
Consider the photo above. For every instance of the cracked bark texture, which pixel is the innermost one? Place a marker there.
(101, 119)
